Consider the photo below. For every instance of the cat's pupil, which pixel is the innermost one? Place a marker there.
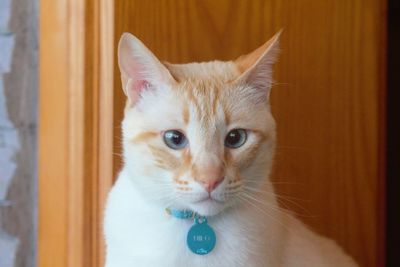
(175, 139)
(235, 138)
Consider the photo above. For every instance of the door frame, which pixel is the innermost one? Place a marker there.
(76, 129)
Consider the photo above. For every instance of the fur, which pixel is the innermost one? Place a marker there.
(204, 101)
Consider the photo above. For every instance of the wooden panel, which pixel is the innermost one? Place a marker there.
(105, 123)
(327, 99)
(76, 97)
(52, 236)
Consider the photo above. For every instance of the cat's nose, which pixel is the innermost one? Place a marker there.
(210, 185)
(210, 177)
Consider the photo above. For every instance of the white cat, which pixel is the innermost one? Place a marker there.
(199, 138)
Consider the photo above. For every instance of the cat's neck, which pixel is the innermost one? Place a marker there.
(139, 205)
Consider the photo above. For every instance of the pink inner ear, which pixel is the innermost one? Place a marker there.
(135, 89)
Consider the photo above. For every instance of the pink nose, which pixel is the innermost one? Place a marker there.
(210, 185)
(210, 177)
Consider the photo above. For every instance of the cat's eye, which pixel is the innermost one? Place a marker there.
(236, 138)
(175, 139)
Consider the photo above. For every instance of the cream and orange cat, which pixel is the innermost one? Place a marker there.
(199, 141)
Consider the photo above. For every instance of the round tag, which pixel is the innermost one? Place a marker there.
(201, 237)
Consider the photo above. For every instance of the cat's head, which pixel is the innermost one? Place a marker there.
(197, 136)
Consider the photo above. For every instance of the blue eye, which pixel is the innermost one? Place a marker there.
(236, 138)
(175, 139)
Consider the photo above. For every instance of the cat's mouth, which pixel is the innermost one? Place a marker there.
(206, 200)
(207, 206)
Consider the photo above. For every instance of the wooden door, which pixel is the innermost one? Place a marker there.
(328, 103)
(327, 100)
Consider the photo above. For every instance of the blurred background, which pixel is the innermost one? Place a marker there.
(335, 102)
(18, 132)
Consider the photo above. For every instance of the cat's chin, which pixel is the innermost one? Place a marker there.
(207, 207)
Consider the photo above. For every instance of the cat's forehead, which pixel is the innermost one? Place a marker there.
(209, 95)
(204, 84)
(219, 71)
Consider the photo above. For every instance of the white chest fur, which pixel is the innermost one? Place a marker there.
(140, 234)
(143, 235)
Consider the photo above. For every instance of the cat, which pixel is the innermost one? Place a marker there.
(200, 138)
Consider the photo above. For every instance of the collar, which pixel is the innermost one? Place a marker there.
(182, 214)
(201, 237)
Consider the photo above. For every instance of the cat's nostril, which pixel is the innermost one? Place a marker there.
(219, 181)
(211, 184)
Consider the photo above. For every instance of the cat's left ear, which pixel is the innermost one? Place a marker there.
(140, 69)
(256, 67)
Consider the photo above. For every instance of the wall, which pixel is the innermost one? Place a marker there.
(18, 134)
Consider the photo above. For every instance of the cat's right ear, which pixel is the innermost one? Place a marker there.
(256, 67)
(140, 69)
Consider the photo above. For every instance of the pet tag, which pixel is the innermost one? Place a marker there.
(201, 237)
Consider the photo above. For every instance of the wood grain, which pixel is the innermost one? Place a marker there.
(53, 174)
(106, 113)
(327, 99)
(75, 144)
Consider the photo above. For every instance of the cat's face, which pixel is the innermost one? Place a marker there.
(197, 136)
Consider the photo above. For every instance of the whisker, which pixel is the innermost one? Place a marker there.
(272, 182)
(274, 193)
(264, 212)
(268, 205)
(307, 215)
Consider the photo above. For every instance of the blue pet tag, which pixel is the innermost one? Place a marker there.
(201, 237)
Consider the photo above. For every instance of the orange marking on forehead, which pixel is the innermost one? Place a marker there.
(188, 92)
(185, 114)
(193, 100)
(204, 97)
(215, 102)
(227, 115)
(144, 136)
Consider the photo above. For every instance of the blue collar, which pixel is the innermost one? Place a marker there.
(182, 214)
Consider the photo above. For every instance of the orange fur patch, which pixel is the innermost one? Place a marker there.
(193, 171)
(164, 159)
(248, 155)
(203, 96)
(184, 166)
(144, 137)
(227, 115)
(227, 160)
(186, 114)
(184, 188)
(261, 135)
